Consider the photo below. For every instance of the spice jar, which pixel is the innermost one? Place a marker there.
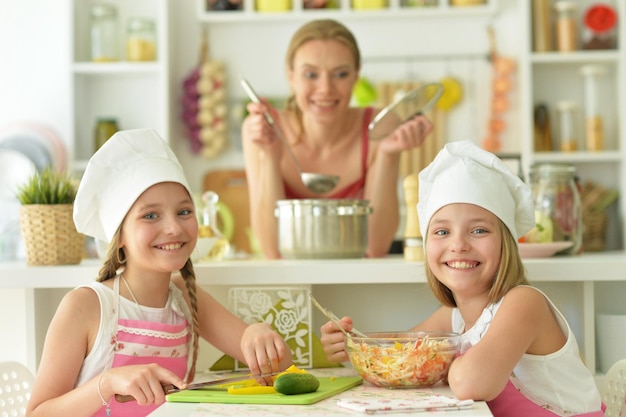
(105, 128)
(104, 33)
(566, 26)
(600, 21)
(567, 139)
(556, 199)
(594, 127)
(140, 40)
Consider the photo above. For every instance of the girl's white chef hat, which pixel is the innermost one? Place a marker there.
(129, 163)
(462, 172)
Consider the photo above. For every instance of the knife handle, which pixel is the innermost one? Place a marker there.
(167, 389)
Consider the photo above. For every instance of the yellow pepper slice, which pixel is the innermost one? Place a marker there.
(259, 389)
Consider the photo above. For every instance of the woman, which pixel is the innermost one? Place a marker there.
(326, 136)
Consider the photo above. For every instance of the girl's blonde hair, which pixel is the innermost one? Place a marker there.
(116, 259)
(322, 29)
(511, 272)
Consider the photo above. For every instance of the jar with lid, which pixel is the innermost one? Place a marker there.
(600, 21)
(104, 33)
(140, 40)
(557, 203)
(105, 128)
(594, 125)
(566, 27)
(568, 132)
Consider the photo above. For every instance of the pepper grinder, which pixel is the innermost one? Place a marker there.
(413, 246)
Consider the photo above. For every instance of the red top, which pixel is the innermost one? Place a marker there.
(356, 189)
(600, 18)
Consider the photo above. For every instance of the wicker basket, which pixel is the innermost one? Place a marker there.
(594, 235)
(49, 234)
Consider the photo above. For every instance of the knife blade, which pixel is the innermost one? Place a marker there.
(170, 389)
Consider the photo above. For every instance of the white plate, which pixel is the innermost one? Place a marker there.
(42, 134)
(542, 250)
(15, 169)
(29, 145)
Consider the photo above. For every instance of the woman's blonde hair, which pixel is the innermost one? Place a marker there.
(116, 259)
(510, 274)
(322, 29)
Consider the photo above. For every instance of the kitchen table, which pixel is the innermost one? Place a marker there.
(324, 408)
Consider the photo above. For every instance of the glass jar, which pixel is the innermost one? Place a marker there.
(600, 22)
(566, 26)
(594, 125)
(568, 134)
(140, 40)
(556, 198)
(105, 128)
(211, 245)
(104, 33)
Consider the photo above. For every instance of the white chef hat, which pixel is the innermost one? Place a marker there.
(129, 163)
(462, 172)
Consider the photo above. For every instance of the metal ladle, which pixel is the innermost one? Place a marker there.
(318, 183)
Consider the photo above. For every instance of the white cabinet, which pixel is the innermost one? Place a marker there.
(136, 94)
(294, 9)
(555, 76)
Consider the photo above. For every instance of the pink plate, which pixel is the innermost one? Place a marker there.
(542, 250)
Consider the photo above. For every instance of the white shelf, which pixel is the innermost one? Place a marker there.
(390, 270)
(345, 11)
(136, 94)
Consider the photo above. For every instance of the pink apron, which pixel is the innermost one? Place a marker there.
(512, 403)
(140, 342)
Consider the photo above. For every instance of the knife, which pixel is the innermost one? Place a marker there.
(170, 389)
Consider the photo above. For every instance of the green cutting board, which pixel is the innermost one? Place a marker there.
(328, 387)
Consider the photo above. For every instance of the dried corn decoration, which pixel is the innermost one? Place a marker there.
(204, 106)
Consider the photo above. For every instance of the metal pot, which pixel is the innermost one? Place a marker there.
(322, 228)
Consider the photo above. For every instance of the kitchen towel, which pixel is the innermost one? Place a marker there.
(397, 405)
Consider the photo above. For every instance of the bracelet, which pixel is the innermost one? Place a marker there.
(104, 402)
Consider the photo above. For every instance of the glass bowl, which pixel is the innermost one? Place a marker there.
(403, 360)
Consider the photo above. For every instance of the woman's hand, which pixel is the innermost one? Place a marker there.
(333, 340)
(264, 350)
(408, 135)
(256, 128)
(142, 382)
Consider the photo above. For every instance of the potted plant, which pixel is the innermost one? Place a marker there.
(46, 222)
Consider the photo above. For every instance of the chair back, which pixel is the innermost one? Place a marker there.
(16, 382)
(614, 390)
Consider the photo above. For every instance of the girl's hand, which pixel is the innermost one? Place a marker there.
(408, 135)
(264, 351)
(142, 382)
(333, 340)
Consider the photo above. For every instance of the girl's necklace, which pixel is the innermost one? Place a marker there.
(132, 294)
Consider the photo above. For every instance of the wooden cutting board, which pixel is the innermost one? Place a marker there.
(329, 386)
(232, 188)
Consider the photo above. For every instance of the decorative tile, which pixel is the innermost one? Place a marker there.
(286, 309)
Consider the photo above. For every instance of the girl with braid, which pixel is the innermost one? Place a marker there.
(137, 327)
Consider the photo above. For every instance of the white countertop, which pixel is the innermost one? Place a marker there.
(324, 408)
(601, 266)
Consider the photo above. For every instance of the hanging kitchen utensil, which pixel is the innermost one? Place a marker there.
(407, 106)
(332, 317)
(318, 183)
